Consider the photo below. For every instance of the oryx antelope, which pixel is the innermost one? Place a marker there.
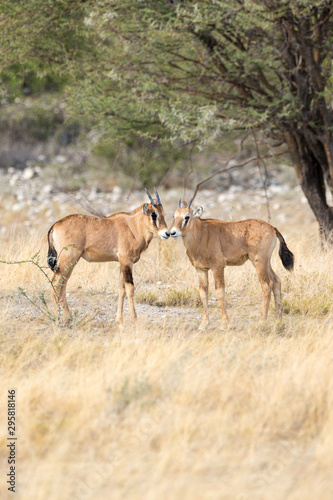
(214, 244)
(121, 237)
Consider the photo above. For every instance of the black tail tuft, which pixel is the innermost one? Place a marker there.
(52, 256)
(286, 255)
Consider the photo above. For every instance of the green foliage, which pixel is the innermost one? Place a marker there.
(147, 162)
(173, 70)
(192, 71)
(36, 122)
(22, 80)
(38, 41)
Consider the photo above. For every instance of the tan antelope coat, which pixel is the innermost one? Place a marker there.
(214, 244)
(122, 237)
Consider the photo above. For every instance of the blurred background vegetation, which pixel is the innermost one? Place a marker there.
(156, 92)
(53, 103)
(37, 124)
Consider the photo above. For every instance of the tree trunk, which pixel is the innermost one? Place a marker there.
(312, 189)
(305, 157)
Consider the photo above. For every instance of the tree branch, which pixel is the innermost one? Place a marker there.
(237, 165)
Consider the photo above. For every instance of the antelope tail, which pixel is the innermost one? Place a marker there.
(52, 256)
(286, 255)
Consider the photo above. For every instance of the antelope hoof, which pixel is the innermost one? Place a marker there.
(134, 320)
(224, 325)
(203, 325)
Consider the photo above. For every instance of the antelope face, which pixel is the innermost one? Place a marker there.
(182, 219)
(156, 222)
(155, 212)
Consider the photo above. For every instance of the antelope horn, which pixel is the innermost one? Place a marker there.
(157, 197)
(179, 202)
(188, 206)
(150, 198)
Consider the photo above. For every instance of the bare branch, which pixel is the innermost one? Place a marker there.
(236, 165)
(189, 172)
(263, 179)
(88, 207)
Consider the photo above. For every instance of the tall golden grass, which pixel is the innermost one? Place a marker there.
(162, 411)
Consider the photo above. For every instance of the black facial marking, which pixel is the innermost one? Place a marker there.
(154, 217)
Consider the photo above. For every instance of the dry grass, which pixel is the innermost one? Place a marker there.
(162, 411)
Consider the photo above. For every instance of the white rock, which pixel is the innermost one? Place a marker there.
(211, 204)
(92, 195)
(60, 159)
(13, 180)
(229, 196)
(20, 196)
(46, 189)
(235, 189)
(28, 173)
(278, 189)
(17, 207)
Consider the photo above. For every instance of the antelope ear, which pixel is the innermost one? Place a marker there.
(197, 212)
(145, 208)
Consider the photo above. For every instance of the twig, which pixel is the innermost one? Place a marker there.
(46, 313)
(81, 323)
(135, 179)
(263, 180)
(160, 181)
(34, 260)
(237, 165)
(143, 166)
(190, 170)
(88, 207)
